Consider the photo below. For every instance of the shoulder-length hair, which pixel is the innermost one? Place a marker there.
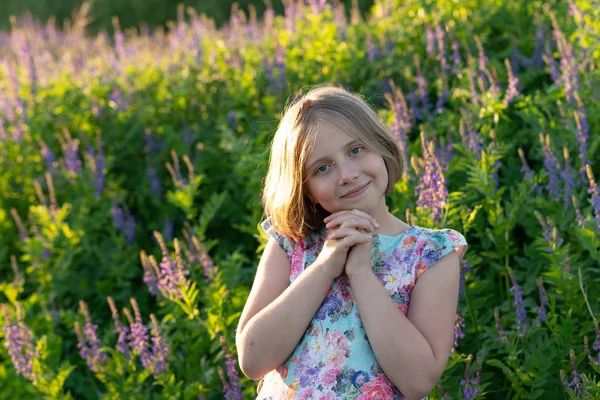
(284, 195)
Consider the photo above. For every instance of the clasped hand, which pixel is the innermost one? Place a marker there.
(348, 243)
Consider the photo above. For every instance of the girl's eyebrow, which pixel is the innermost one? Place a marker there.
(346, 146)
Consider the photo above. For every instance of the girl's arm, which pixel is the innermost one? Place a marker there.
(412, 351)
(277, 314)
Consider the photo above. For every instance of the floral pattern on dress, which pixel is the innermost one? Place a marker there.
(334, 359)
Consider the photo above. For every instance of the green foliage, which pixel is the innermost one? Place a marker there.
(127, 159)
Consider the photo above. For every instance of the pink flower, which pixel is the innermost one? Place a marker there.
(329, 395)
(305, 394)
(328, 379)
(344, 288)
(378, 388)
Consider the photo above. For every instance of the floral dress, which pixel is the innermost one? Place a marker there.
(334, 359)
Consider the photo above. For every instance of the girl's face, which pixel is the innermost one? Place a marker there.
(342, 174)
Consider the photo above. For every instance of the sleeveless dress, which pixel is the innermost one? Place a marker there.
(334, 359)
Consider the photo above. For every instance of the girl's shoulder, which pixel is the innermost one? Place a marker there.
(286, 243)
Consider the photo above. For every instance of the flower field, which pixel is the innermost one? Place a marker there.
(131, 169)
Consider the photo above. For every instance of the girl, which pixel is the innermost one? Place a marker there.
(349, 302)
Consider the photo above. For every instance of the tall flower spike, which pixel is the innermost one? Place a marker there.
(595, 192)
(172, 271)
(552, 167)
(541, 309)
(513, 81)
(150, 277)
(232, 390)
(19, 341)
(138, 336)
(568, 178)
(521, 313)
(582, 138)
(578, 215)
(502, 334)
(159, 349)
(471, 385)
(22, 232)
(121, 330)
(89, 344)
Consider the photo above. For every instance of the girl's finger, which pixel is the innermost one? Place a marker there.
(358, 238)
(341, 233)
(331, 216)
(351, 220)
(363, 214)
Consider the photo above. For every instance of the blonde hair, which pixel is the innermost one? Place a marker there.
(284, 196)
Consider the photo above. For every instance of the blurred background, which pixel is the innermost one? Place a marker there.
(132, 12)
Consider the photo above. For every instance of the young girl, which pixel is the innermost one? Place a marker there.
(349, 302)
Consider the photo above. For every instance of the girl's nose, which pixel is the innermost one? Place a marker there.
(348, 174)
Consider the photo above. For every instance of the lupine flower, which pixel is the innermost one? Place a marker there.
(512, 91)
(431, 188)
(595, 192)
(458, 333)
(18, 279)
(48, 155)
(456, 58)
(527, 172)
(373, 52)
(152, 176)
(232, 389)
(172, 271)
(502, 334)
(175, 170)
(550, 232)
(98, 166)
(138, 335)
(19, 341)
(440, 35)
(277, 84)
(401, 122)
(541, 309)
(522, 325)
(70, 149)
(471, 386)
(124, 222)
(196, 253)
(422, 91)
(159, 349)
(430, 44)
(568, 63)
(568, 178)
(88, 342)
(151, 272)
(120, 329)
(484, 73)
(575, 386)
(552, 167)
(552, 67)
(22, 232)
(583, 130)
(578, 216)
(596, 347)
(290, 14)
(471, 139)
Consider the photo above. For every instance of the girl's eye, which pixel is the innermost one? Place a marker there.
(356, 150)
(322, 169)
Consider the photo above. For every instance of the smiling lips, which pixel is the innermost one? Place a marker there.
(356, 192)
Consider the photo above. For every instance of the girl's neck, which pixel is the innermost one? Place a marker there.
(389, 224)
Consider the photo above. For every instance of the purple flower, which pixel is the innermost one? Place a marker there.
(48, 155)
(196, 253)
(502, 334)
(88, 342)
(522, 325)
(19, 341)
(596, 346)
(575, 386)
(430, 44)
(440, 35)
(172, 271)
(232, 389)
(583, 130)
(568, 178)
(471, 385)
(401, 122)
(124, 222)
(456, 58)
(458, 333)
(552, 167)
(159, 349)
(469, 136)
(422, 90)
(98, 166)
(578, 216)
(70, 149)
(121, 330)
(138, 336)
(373, 52)
(512, 91)
(568, 63)
(463, 273)
(22, 232)
(431, 188)
(541, 310)
(153, 179)
(595, 192)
